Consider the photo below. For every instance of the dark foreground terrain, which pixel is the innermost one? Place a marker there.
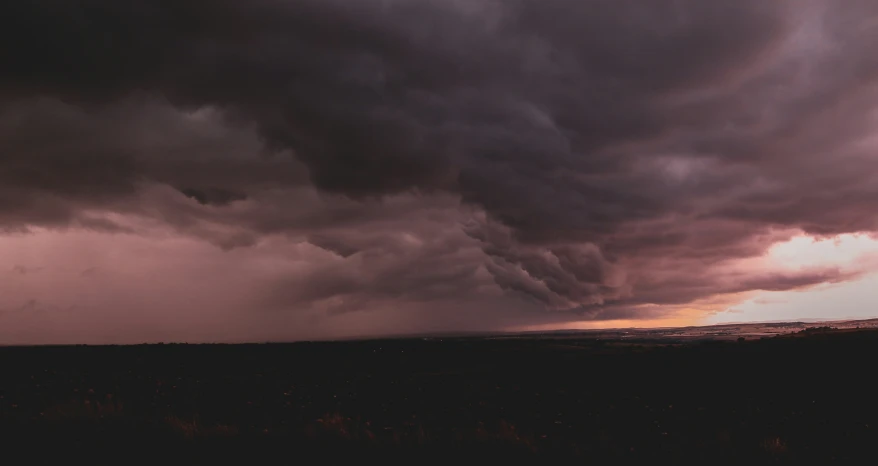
(804, 398)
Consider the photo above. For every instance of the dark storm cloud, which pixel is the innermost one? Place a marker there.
(61, 163)
(388, 268)
(333, 244)
(622, 151)
(213, 195)
(378, 97)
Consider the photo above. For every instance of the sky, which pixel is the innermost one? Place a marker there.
(274, 170)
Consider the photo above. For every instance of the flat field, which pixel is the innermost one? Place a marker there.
(797, 398)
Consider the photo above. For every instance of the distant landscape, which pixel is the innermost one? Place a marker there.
(746, 330)
(780, 393)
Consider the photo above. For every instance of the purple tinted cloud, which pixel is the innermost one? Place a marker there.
(585, 155)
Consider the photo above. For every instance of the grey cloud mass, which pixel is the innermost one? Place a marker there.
(592, 156)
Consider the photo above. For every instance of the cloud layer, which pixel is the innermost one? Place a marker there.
(588, 156)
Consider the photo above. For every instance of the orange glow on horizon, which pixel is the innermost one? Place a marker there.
(683, 318)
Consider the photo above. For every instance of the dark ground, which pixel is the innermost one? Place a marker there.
(791, 399)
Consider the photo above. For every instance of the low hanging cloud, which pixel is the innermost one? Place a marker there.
(591, 156)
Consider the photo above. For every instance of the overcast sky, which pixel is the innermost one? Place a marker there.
(222, 170)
